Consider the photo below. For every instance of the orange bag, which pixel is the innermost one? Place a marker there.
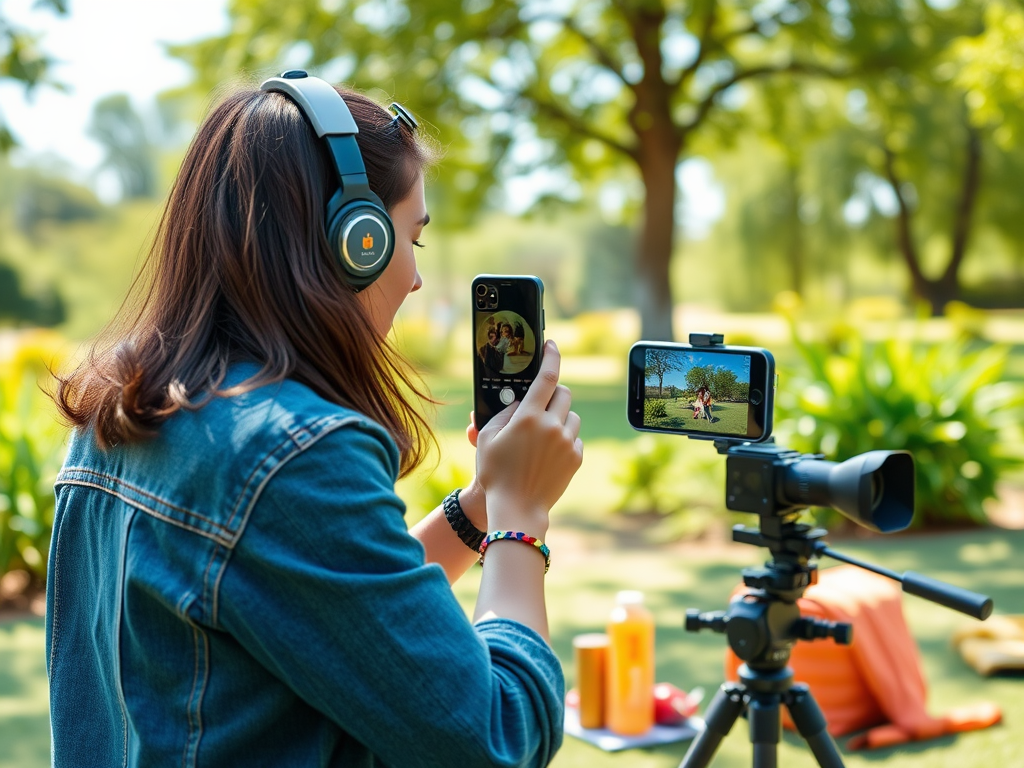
(876, 682)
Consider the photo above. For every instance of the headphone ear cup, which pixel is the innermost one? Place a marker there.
(362, 238)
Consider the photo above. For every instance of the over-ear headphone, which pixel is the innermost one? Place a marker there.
(358, 228)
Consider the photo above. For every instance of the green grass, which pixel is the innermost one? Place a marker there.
(24, 713)
(594, 556)
(725, 417)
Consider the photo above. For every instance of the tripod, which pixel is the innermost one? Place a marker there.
(762, 628)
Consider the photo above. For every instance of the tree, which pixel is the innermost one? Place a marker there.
(699, 376)
(724, 385)
(117, 126)
(611, 91)
(47, 309)
(660, 362)
(21, 60)
(925, 169)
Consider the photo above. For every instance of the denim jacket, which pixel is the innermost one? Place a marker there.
(242, 590)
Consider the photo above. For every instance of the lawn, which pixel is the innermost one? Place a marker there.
(730, 418)
(595, 557)
(597, 552)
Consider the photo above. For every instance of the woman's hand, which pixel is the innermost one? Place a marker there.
(528, 453)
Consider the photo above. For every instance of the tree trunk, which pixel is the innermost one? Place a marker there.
(654, 252)
(946, 288)
(658, 149)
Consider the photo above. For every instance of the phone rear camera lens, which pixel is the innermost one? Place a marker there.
(481, 304)
(481, 290)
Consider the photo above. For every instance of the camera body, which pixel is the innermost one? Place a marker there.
(874, 489)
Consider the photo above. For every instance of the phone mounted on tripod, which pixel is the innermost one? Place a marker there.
(875, 490)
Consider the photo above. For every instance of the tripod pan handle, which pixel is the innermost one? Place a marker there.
(963, 600)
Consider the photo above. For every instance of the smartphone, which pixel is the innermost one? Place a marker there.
(707, 392)
(508, 333)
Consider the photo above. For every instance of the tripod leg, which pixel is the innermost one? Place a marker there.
(765, 715)
(718, 720)
(810, 722)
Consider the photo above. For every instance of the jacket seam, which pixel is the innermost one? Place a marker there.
(258, 492)
(206, 578)
(219, 538)
(118, 481)
(54, 628)
(197, 694)
(289, 438)
(117, 643)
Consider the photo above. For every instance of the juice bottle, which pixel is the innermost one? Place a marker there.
(629, 704)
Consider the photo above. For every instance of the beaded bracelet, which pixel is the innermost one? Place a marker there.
(470, 535)
(518, 536)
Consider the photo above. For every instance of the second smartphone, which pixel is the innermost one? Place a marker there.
(704, 392)
(508, 333)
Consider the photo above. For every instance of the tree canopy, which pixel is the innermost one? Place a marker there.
(22, 60)
(605, 98)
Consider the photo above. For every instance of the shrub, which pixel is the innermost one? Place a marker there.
(944, 403)
(424, 489)
(31, 451)
(654, 409)
(678, 481)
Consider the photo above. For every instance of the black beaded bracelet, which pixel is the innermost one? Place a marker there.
(471, 536)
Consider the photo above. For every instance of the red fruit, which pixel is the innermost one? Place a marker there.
(673, 706)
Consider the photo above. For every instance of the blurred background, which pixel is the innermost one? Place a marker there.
(837, 181)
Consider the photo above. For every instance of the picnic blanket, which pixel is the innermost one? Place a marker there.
(876, 684)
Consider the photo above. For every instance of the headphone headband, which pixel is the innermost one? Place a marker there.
(363, 251)
(327, 111)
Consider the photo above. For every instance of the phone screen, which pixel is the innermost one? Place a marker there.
(508, 333)
(720, 392)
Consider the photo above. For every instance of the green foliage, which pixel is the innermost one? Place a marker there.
(654, 409)
(424, 343)
(427, 487)
(31, 450)
(719, 380)
(598, 333)
(945, 403)
(645, 472)
(64, 243)
(990, 68)
(22, 60)
(16, 306)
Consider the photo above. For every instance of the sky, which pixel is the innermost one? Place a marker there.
(738, 364)
(104, 47)
(101, 47)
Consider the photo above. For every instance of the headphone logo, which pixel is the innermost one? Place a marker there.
(367, 241)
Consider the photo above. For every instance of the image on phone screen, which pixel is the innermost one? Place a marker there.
(505, 343)
(693, 391)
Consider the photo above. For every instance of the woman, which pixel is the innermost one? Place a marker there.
(231, 581)
(489, 354)
(504, 344)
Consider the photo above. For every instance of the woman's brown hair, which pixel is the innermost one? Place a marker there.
(241, 270)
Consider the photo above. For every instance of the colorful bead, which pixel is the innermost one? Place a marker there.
(518, 536)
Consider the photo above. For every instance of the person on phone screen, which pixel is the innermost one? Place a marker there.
(492, 359)
(231, 580)
(708, 405)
